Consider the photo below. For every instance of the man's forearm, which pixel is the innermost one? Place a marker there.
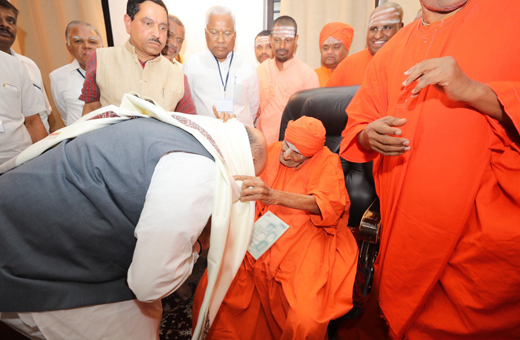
(485, 100)
(89, 107)
(35, 127)
(296, 201)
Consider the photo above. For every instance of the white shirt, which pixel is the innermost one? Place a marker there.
(206, 84)
(36, 77)
(178, 204)
(66, 84)
(18, 99)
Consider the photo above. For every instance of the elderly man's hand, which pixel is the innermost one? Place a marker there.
(445, 73)
(223, 115)
(254, 189)
(380, 136)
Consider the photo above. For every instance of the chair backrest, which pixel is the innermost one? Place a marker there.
(328, 104)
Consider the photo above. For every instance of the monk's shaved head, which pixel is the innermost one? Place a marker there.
(258, 149)
(385, 21)
(386, 7)
(286, 20)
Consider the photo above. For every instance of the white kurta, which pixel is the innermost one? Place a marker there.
(178, 205)
(36, 78)
(18, 99)
(66, 84)
(206, 84)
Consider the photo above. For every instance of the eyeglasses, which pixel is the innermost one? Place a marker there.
(214, 34)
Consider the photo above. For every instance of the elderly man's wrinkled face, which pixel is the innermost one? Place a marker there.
(83, 41)
(263, 49)
(290, 156)
(283, 41)
(220, 35)
(333, 52)
(148, 31)
(175, 40)
(8, 29)
(443, 6)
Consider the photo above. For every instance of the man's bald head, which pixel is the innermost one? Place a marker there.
(258, 149)
(385, 21)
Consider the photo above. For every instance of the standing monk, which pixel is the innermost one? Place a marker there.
(306, 278)
(385, 21)
(281, 77)
(441, 124)
(335, 40)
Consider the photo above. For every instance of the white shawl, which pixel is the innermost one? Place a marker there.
(232, 220)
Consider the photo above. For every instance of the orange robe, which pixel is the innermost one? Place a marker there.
(351, 69)
(276, 87)
(324, 74)
(306, 278)
(450, 256)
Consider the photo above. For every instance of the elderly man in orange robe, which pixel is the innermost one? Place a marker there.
(281, 77)
(441, 123)
(385, 21)
(306, 278)
(335, 40)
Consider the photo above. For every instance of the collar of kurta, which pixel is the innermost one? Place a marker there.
(130, 48)
(444, 23)
(74, 66)
(14, 54)
(222, 62)
(286, 64)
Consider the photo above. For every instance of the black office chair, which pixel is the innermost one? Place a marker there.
(328, 105)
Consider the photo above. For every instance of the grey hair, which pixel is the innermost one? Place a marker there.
(220, 10)
(175, 20)
(75, 23)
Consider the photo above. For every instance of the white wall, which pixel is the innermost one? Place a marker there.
(249, 21)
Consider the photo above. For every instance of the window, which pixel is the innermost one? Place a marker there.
(273, 12)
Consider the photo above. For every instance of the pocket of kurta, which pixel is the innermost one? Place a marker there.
(11, 99)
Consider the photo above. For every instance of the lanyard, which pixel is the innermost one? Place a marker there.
(229, 69)
(80, 73)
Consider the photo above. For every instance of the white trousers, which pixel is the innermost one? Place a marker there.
(121, 320)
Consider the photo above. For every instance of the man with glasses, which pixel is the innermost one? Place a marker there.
(306, 277)
(220, 79)
(281, 77)
(385, 21)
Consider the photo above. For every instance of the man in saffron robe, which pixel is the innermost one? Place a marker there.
(335, 40)
(385, 21)
(441, 124)
(306, 278)
(281, 77)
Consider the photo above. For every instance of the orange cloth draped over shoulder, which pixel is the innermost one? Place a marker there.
(449, 259)
(324, 75)
(350, 71)
(306, 278)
